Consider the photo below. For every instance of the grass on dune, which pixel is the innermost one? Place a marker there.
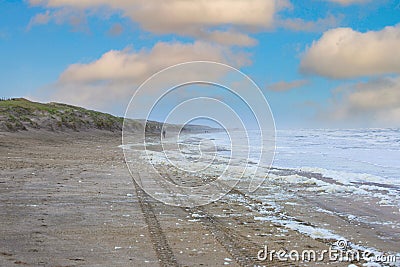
(19, 113)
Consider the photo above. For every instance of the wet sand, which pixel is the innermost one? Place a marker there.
(68, 199)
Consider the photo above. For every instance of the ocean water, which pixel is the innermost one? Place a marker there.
(351, 155)
(359, 162)
(375, 152)
(362, 164)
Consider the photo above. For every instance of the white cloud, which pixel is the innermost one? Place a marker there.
(188, 18)
(113, 77)
(345, 53)
(228, 38)
(320, 25)
(349, 2)
(41, 18)
(285, 86)
(75, 18)
(116, 30)
(137, 66)
(374, 103)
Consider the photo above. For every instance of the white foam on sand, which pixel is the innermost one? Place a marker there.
(350, 178)
(345, 184)
(324, 234)
(386, 196)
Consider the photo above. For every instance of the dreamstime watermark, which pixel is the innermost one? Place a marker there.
(181, 96)
(341, 251)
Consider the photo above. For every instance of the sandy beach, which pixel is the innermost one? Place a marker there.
(67, 199)
(200, 133)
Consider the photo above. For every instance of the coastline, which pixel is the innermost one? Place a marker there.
(68, 199)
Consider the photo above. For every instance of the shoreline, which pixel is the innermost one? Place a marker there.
(69, 200)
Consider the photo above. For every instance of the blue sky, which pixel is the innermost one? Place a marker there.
(320, 63)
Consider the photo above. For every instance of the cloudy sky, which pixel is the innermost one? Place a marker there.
(320, 63)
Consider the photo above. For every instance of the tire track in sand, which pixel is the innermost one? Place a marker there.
(163, 251)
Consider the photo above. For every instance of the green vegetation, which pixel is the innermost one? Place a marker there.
(20, 114)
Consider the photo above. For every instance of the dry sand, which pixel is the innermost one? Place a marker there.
(69, 200)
